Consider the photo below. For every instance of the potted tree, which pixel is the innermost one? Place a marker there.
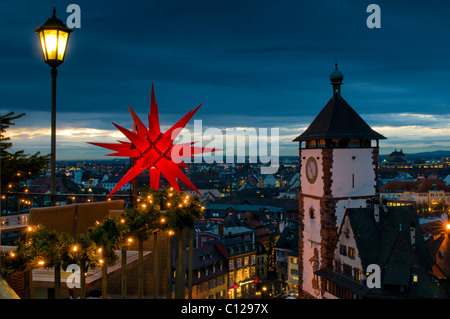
(124, 242)
(16, 261)
(106, 236)
(141, 222)
(83, 252)
(50, 247)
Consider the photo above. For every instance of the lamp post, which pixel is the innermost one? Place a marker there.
(54, 37)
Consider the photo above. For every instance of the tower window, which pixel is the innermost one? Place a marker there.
(311, 213)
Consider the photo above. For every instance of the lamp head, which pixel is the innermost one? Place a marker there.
(54, 37)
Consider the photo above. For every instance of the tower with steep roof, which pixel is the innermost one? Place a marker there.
(338, 170)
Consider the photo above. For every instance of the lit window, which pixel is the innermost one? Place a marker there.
(351, 252)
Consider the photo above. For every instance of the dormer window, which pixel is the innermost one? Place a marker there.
(347, 233)
(351, 252)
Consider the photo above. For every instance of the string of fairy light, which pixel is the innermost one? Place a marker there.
(41, 262)
(162, 202)
(172, 200)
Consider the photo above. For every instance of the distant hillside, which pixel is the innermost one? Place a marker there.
(422, 155)
(409, 156)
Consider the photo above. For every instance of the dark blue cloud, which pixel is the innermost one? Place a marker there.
(246, 58)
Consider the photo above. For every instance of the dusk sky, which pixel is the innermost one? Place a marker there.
(260, 64)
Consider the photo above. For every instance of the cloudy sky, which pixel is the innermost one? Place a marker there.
(259, 64)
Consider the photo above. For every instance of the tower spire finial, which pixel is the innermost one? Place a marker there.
(336, 80)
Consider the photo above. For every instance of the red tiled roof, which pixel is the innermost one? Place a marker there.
(396, 186)
(432, 184)
(415, 186)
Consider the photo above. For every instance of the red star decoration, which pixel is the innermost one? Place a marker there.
(154, 150)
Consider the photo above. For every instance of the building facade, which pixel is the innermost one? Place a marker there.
(381, 253)
(210, 272)
(241, 259)
(427, 195)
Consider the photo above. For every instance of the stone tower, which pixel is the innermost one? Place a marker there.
(338, 170)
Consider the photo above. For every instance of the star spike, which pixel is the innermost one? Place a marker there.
(155, 151)
(140, 127)
(154, 114)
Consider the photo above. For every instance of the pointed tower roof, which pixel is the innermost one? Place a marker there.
(338, 120)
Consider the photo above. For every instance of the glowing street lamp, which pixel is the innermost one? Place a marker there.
(54, 37)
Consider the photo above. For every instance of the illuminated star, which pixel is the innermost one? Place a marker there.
(154, 150)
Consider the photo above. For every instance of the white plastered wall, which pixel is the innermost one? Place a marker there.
(352, 172)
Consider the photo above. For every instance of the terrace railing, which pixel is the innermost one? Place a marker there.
(15, 208)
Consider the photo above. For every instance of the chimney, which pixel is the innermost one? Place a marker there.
(413, 235)
(220, 229)
(376, 213)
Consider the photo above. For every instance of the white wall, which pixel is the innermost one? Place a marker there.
(311, 240)
(342, 205)
(344, 167)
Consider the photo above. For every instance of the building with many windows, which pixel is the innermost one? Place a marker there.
(430, 194)
(210, 271)
(286, 249)
(241, 259)
(286, 254)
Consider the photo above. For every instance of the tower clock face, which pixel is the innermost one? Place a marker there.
(311, 170)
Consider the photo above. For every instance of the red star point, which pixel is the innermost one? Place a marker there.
(154, 150)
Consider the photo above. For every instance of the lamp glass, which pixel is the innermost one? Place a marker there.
(53, 43)
(44, 51)
(62, 44)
